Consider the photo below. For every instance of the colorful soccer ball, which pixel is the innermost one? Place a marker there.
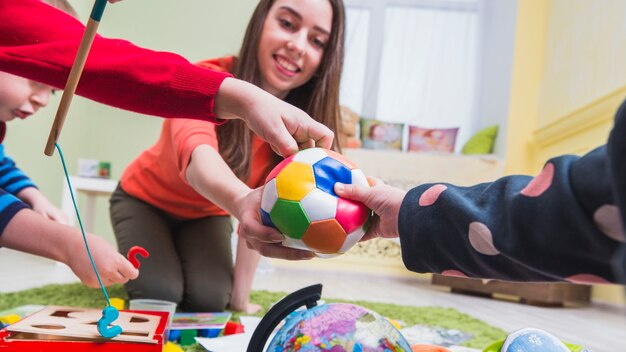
(300, 202)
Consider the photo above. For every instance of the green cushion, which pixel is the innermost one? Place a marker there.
(482, 142)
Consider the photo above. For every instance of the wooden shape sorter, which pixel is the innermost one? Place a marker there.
(56, 329)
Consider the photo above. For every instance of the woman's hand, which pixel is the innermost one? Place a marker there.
(266, 240)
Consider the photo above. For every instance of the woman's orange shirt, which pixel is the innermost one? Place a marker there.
(157, 176)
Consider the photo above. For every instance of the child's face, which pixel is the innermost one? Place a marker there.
(292, 43)
(21, 97)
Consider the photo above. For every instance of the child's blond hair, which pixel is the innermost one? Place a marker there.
(62, 5)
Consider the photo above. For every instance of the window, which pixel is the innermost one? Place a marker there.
(421, 62)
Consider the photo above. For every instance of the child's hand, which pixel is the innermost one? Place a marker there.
(384, 200)
(285, 127)
(49, 211)
(41, 205)
(112, 266)
(266, 240)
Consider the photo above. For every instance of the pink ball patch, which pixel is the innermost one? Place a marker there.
(454, 273)
(351, 214)
(609, 221)
(586, 279)
(540, 183)
(430, 196)
(481, 239)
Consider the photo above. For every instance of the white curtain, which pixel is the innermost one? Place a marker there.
(428, 68)
(355, 61)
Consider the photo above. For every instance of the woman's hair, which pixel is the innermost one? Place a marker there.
(63, 5)
(319, 97)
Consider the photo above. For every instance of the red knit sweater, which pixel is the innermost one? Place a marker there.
(39, 42)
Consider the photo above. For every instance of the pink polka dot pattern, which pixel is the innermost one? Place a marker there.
(540, 183)
(586, 279)
(454, 273)
(609, 221)
(481, 239)
(430, 196)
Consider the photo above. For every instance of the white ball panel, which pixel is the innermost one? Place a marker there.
(294, 243)
(270, 196)
(359, 179)
(310, 156)
(319, 205)
(352, 239)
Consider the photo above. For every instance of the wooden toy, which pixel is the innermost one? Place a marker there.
(67, 329)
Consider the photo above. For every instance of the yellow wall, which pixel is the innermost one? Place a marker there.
(568, 79)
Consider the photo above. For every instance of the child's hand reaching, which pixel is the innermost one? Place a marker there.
(113, 267)
(65, 244)
(384, 200)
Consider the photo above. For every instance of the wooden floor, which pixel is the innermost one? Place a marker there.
(601, 328)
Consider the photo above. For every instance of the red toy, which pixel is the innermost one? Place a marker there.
(33, 342)
(132, 255)
(232, 328)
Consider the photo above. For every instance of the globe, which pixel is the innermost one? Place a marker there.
(338, 327)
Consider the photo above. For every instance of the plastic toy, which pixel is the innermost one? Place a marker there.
(300, 202)
(10, 319)
(174, 335)
(133, 252)
(327, 327)
(188, 337)
(232, 328)
(117, 302)
(171, 347)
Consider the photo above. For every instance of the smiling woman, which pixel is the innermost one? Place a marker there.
(291, 46)
(170, 203)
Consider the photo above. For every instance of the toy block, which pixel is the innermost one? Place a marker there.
(117, 303)
(10, 319)
(210, 333)
(188, 337)
(232, 328)
(174, 335)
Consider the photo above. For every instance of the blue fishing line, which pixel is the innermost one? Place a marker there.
(80, 222)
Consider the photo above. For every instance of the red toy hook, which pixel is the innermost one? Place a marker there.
(132, 255)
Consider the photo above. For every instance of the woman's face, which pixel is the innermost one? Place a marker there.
(21, 97)
(292, 43)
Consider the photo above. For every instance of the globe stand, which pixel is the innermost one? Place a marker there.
(307, 296)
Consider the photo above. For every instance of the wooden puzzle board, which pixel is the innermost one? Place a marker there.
(66, 323)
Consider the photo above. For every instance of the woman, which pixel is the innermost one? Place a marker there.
(175, 207)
